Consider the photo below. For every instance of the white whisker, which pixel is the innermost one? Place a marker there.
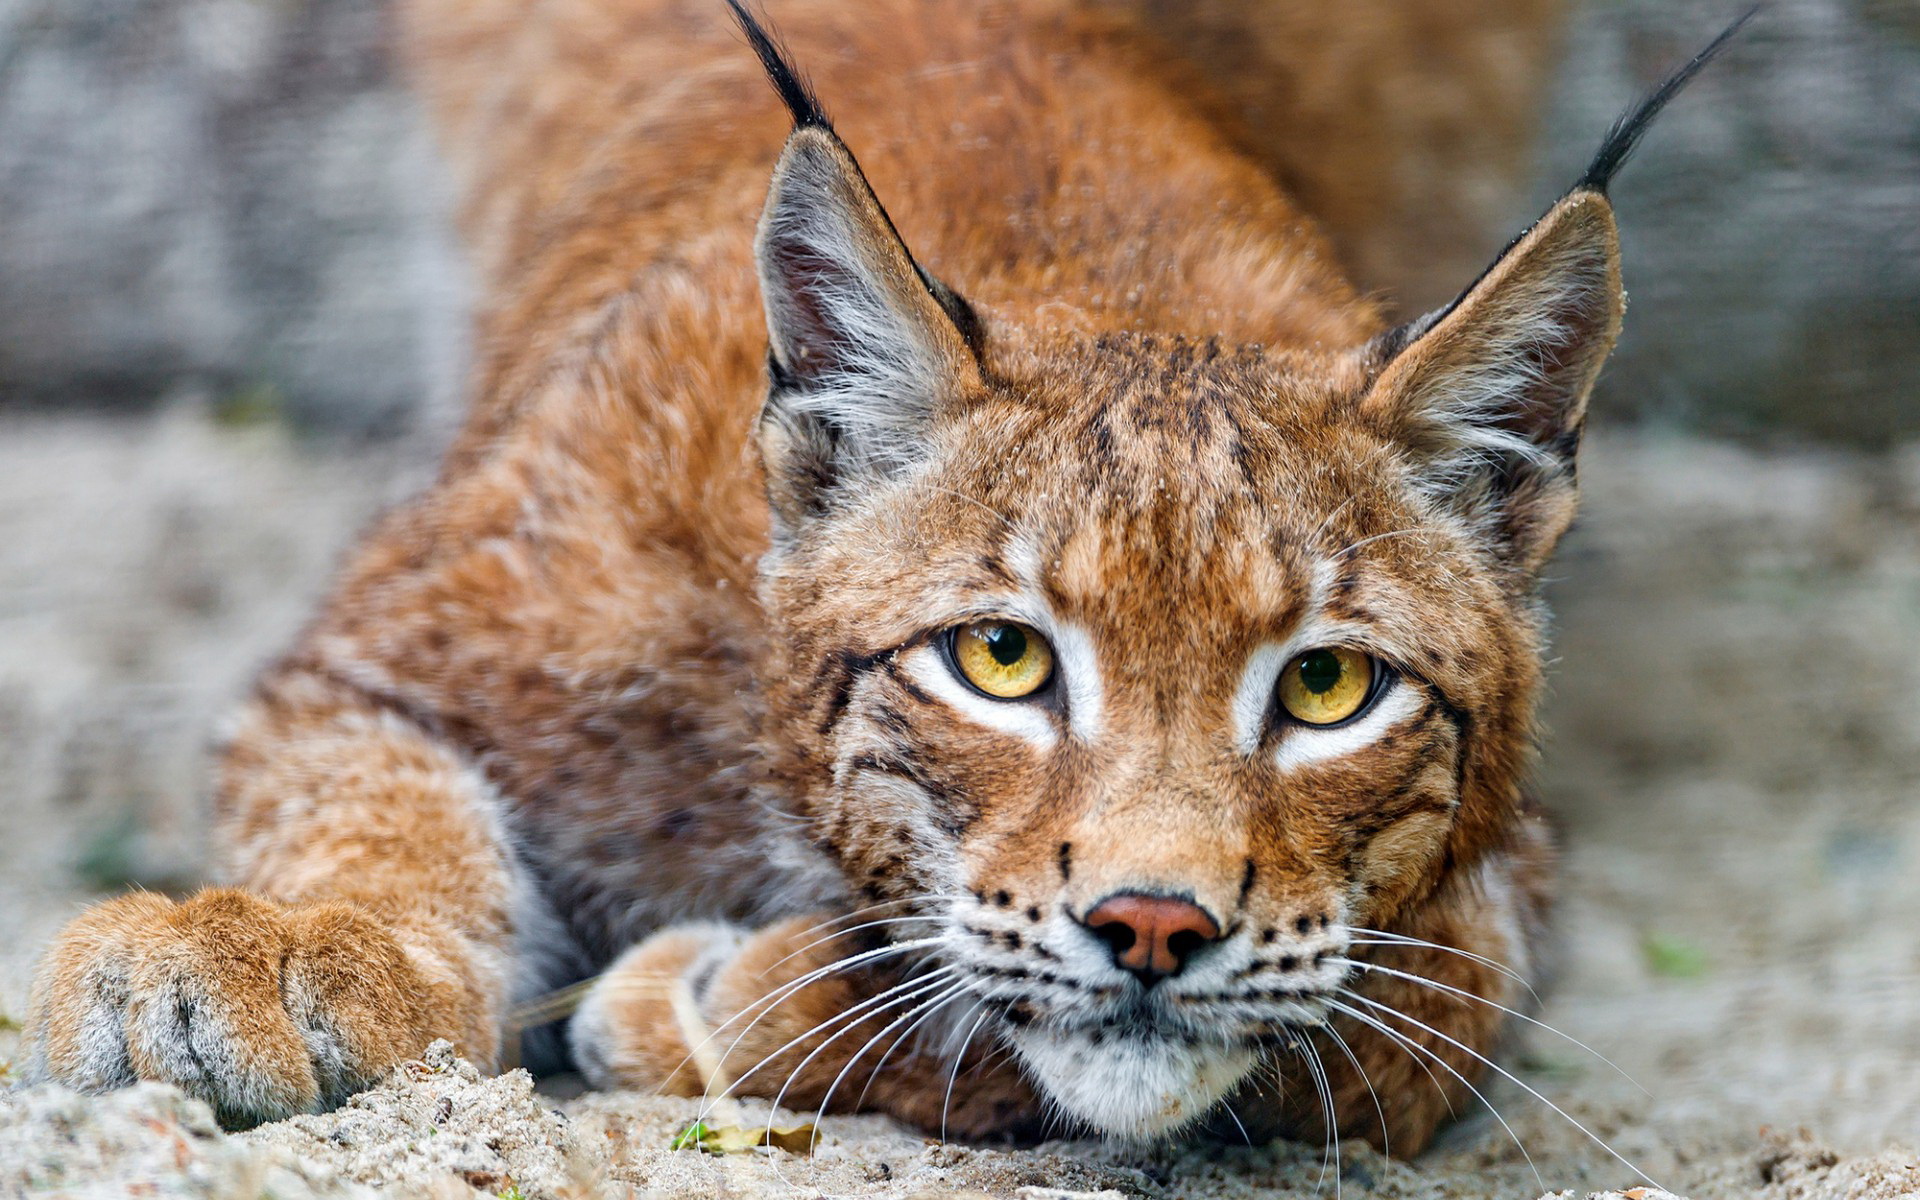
(897, 1043)
(768, 1002)
(840, 933)
(852, 1018)
(1385, 1144)
(1350, 547)
(1509, 1076)
(1415, 1050)
(960, 1057)
(1380, 937)
(1329, 1149)
(1463, 994)
(953, 989)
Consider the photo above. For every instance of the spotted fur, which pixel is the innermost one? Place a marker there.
(654, 678)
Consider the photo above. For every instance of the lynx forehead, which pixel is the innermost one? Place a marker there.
(1078, 668)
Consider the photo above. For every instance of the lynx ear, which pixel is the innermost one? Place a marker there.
(863, 345)
(1489, 394)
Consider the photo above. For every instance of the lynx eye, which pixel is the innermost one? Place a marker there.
(1326, 686)
(1004, 659)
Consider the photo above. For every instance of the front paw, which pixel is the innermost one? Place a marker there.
(710, 1009)
(794, 1013)
(262, 1010)
(641, 1025)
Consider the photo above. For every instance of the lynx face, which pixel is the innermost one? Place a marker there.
(1162, 621)
(1134, 674)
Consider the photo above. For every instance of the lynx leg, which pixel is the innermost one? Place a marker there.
(373, 913)
(762, 1031)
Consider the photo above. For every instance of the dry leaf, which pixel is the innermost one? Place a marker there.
(733, 1139)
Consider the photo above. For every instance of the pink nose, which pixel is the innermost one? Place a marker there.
(1151, 936)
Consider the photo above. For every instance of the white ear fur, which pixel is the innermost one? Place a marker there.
(861, 349)
(1490, 394)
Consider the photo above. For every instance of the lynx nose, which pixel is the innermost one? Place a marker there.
(1150, 936)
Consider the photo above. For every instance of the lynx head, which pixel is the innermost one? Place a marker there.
(1139, 672)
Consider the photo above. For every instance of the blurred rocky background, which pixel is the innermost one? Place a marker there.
(239, 197)
(1772, 222)
(235, 196)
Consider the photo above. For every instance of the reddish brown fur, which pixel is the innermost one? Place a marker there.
(561, 669)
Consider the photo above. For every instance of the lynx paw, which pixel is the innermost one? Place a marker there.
(262, 1010)
(710, 1010)
(700, 1007)
(633, 1031)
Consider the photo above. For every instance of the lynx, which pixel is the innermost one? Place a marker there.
(1079, 669)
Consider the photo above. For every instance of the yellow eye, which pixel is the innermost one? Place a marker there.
(1325, 687)
(1002, 659)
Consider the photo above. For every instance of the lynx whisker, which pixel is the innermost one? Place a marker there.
(772, 999)
(1415, 1050)
(849, 1019)
(1238, 1124)
(864, 909)
(1323, 1087)
(995, 513)
(1386, 1146)
(926, 1005)
(1350, 547)
(840, 933)
(898, 1041)
(1380, 937)
(938, 987)
(960, 1056)
(1463, 994)
(1505, 1074)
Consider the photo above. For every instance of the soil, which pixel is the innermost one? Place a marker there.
(1734, 758)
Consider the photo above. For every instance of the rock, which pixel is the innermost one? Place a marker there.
(437, 1118)
(434, 1128)
(147, 1140)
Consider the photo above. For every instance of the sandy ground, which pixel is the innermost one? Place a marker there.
(1735, 759)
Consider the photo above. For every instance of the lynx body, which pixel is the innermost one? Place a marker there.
(1058, 616)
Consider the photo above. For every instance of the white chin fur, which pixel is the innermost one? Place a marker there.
(1130, 1087)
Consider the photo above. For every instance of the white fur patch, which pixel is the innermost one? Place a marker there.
(1253, 698)
(1303, 744)
(1076, 671)
(1075, 657)
(1131, 1087)
(1079, 671)
(927, 667)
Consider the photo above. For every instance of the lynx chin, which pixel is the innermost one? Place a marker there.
(997, 628)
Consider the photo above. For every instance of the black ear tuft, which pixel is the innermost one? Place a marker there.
(1626, 132)
(1620, 143)
(793, 88)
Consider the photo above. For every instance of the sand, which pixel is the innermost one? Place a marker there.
(437, 1128)
(1735, 760)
